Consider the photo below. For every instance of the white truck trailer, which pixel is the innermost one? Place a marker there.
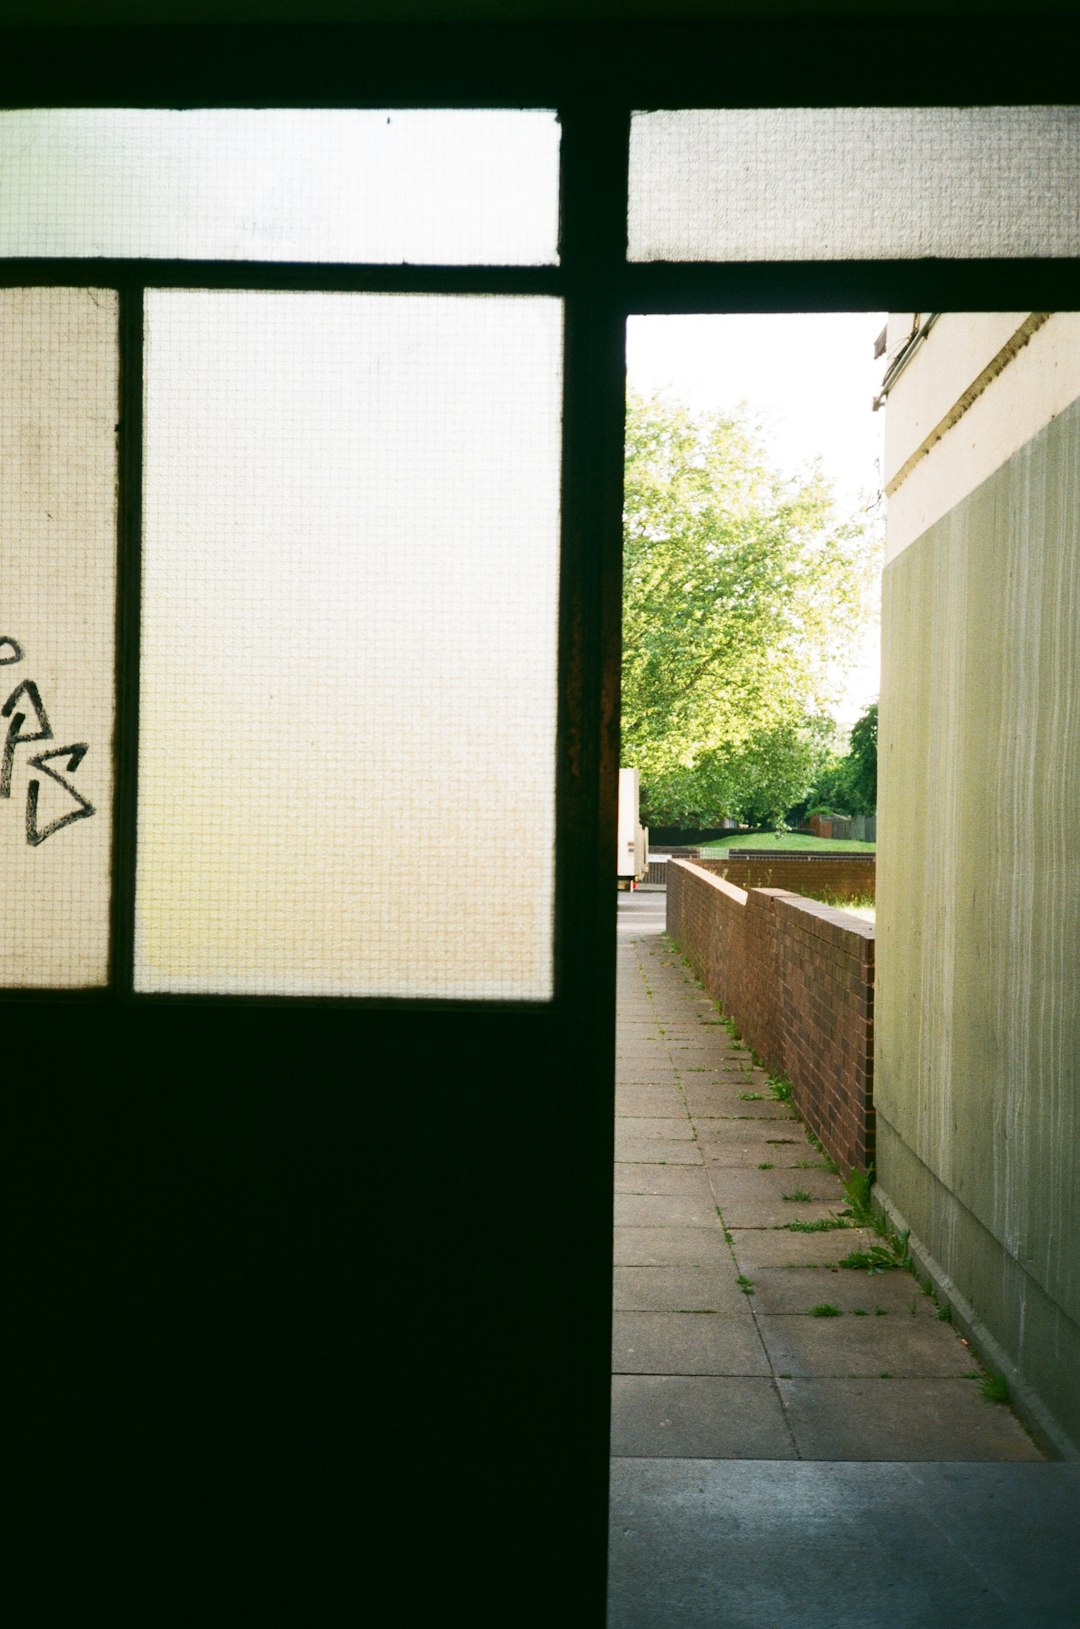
(633, 846)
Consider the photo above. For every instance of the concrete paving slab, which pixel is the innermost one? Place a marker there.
(679, 1246)
(697, 1056)
(672, 1128)
(678, 1289)
(748, 1153)
(847, 1347)
(656, 1075)
(742, 1104)
(715, 1069)
(665, 1210)
(884, 1546)
(669, 1416)
(717, 1343)
(727, 1100)
(707, 1072)
(719, 1055)
(899, 1418)
(747, 1128)
(641, 1150)
(797, 1289)
(649, 1102)
(714, 1099)
(684, 1179)
(741, 1210)
(705, 1082)
(756, 1248)
(772, 1188)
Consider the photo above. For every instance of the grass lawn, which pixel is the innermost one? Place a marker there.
(788, 843)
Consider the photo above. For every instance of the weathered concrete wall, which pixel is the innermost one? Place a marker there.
(977, 1076)
(982, 386)
(798, 979)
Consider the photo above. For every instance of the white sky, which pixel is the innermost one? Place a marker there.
(811, 381)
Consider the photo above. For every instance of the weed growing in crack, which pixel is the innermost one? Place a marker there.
(994, 1387)
(729, 1024)
(824, 1224)
(745, 1284)
(799, 1197)
(880, 1258)
(875, 1260)
(859, 1205)
(825, 1310)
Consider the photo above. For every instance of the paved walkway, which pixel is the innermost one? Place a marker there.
(738, 1338)
(718, 1352)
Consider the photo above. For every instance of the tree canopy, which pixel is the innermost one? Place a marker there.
(862, 758)
(846, 783)
(743, 590)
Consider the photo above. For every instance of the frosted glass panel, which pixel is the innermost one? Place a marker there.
(861, 183)
(448, 187)
(58, 411)
(347, 739)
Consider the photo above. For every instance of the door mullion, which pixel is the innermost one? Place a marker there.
(128, 616)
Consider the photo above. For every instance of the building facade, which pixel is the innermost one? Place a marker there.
(978, 1003)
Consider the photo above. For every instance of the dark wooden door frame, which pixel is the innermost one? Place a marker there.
(490, 1488)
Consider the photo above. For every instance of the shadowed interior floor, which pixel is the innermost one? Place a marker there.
(706, 1544)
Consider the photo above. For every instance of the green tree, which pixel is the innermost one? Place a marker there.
(862, 762)
(742, 591)
(846, 784)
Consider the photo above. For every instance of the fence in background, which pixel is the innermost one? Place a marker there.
(861, 828)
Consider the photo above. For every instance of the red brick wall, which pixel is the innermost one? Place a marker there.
(845, 875)
(798, 979)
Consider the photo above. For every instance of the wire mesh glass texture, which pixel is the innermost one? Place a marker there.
(58, 413)
(854, 183)
(421, 186)
(349, 645)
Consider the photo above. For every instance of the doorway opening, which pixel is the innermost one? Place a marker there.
(752, 544)
(762, 1312)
